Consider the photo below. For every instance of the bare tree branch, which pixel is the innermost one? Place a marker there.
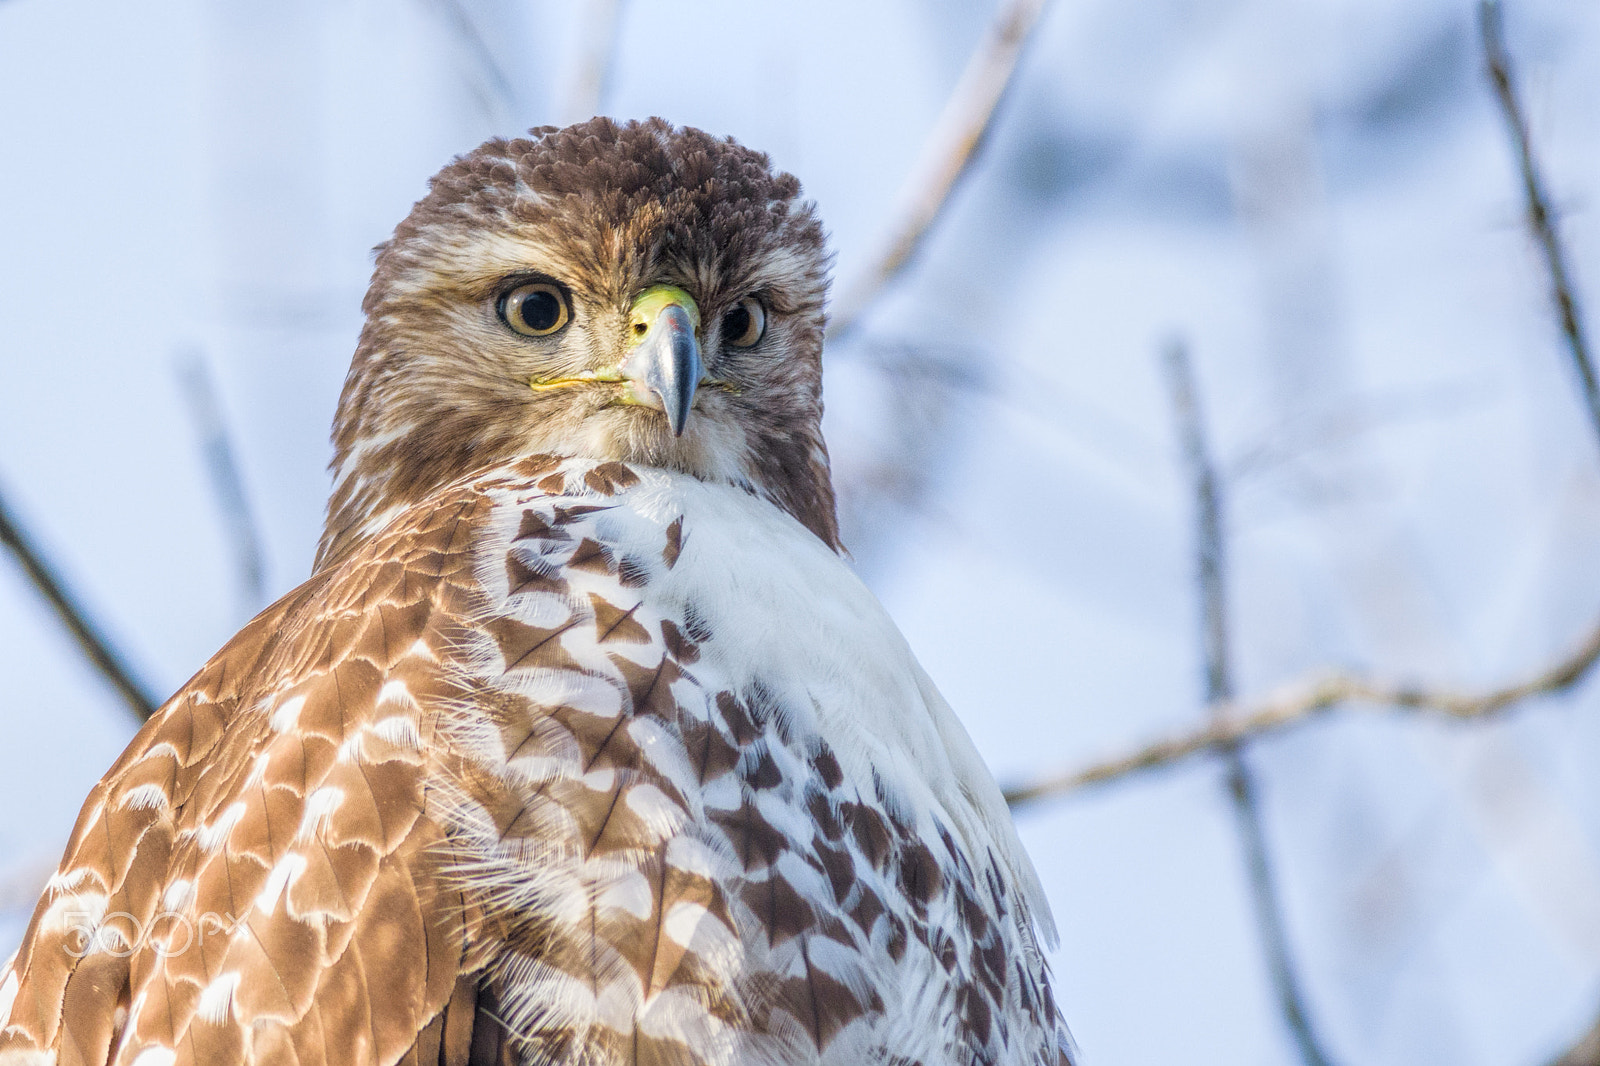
(504, 94)
(100, 652)
(216, 444)
(1542, 221)
(1209, 548)
(585, 95)
(1351, 418)
(1541, 218)
(1211, 574)
(1298, 704)
(948, 153)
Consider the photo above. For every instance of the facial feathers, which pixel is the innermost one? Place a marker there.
(440, 388)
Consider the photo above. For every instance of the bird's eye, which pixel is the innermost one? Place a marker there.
(744, 323)
(537, 309)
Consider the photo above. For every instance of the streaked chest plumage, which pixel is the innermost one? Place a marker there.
(708, 804)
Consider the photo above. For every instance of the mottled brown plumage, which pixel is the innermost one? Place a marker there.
(581, 746)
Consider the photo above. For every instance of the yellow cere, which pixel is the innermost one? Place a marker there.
(656, 299)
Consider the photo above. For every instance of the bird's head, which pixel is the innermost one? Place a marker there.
(632, 292)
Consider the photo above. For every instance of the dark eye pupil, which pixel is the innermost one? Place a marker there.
(736, 323)
(540, 311)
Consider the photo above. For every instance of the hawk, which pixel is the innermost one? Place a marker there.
(582, 744)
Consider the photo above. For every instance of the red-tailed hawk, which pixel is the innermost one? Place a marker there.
(582, 745)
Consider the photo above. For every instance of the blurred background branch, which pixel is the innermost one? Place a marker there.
(222, 466)
(1541, 216)
(946, 155)
(1211, 573)
(1303, 702)
(1543, 222)
(497, 95)
(584, 95)
(90, 639)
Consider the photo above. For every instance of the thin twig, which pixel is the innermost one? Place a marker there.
(100, 652)
(466, 30)
(1306, 701)
(892, 469)
(1542, 221)
(1305, 433)
(1209, 549)
(585, 96)
(1541, 218)
(1211, 558)
(950, 150)
(216, 444)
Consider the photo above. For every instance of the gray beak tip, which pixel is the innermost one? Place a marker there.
(668, 364)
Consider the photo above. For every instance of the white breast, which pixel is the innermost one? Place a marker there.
(784, 607)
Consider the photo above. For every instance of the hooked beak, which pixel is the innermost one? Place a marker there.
(664, 369)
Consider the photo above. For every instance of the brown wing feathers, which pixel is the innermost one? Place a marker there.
(256, 879)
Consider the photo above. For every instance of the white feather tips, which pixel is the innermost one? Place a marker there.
(216, 999)
(156, 1055)
(178, 896)
(287, 714)
(319, 806)
(283, 876)
(211, 837)
(149, 797)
